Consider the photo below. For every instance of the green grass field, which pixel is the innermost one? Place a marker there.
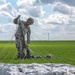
(63, 51)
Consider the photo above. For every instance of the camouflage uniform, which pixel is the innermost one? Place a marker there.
(20, 39)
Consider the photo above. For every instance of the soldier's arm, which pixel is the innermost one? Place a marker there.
(16, 20)
(28, 35)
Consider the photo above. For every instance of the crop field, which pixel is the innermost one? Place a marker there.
(62, 51)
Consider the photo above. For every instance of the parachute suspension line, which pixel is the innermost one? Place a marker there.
(39, 38)
(13, 56)
(36, 35)
(33, 52)
(11, 50)
(40, 49)
(4, 49)
(39, 53)
(16, 50)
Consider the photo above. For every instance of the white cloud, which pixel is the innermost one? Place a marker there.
(47, 26)
(43, 25)
(55, 22)
(23, 3)
(29, 8)
(2, 29)
(57, 19)
(2, 2)
(7, 10)
(5, 14)
(68, 2)
(48, 1)
(22, 11)
(58, 25)
(65, 9)
(36, 11)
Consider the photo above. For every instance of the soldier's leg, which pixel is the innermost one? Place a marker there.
(28, 55)
(23, 45)
(28, 37)
(19, 47)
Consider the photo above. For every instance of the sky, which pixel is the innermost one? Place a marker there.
(53, 19)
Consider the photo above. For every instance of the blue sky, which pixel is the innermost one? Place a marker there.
(12, 2)
(53, 17)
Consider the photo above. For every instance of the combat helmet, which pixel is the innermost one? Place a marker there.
(30, 21)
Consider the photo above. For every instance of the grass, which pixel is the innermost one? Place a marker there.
(63, 51)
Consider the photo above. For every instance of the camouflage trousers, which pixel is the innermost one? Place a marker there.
(20, 45)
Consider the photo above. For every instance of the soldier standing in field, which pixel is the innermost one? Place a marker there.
(23, 29)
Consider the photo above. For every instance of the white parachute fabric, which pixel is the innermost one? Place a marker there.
(37, 69)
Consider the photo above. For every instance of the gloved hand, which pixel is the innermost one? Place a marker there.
(28, 42)
(19, 16)
(15, 21)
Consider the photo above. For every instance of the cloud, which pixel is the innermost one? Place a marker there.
(24, 3)
(28, 8)
(71, 28)
(57, 24)
(34, 2)
(2, 2)
(48, 1)
(2, 29)
(65, 9)
(33, 11)
(36, 11)
(57, 18)
(7, 10)
(43, 25)
(63, 23)
(47, 26)
(68, 2)
(8, 28)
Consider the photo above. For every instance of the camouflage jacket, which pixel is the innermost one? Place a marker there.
(23, 30)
